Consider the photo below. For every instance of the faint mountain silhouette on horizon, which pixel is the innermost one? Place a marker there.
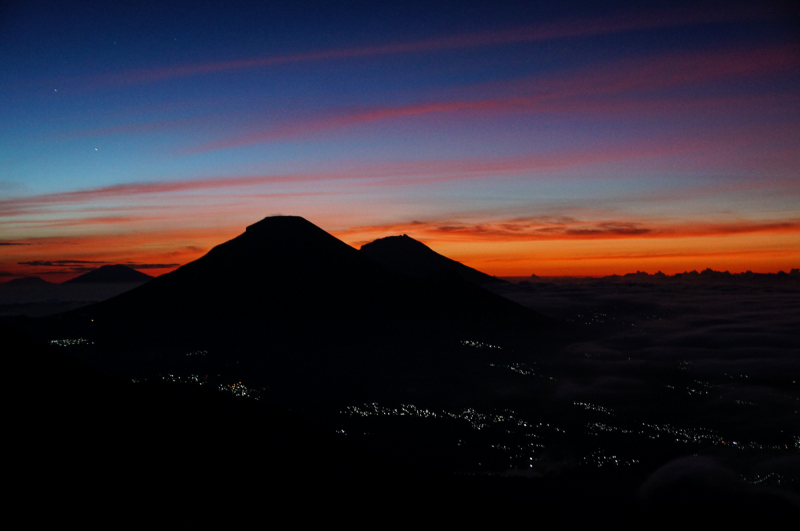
(28, 282)
(117, 273)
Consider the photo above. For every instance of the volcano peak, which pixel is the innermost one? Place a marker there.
(412, 258)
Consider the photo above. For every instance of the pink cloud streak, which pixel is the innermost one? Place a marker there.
(400, 172)
(393, 174)
(20, 206)
(580, 92)
(551, 31)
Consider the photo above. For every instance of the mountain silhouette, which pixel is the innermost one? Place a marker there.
(407, 256)
(285, 275)
(28, 281)
(287, 298)
(110, 274)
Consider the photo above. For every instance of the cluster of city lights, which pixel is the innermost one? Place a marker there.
(241, 390)
(595, 407)
(599, 458)
(192, 378)
(70, 342)
(520, 368)
(479, 344)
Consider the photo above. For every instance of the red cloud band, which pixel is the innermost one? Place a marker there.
(563, 228)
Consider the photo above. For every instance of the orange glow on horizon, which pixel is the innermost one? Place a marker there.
(735, 247)
(566, 247)
(163, 247)
(610, 257)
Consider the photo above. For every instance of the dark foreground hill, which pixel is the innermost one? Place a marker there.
(111, 274)
(407, 256)
(289, 307)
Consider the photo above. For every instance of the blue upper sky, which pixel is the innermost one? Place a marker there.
(569, 138)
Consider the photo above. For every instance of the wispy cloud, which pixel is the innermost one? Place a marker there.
(88, 265)
(151, 266)
(566, 228)
(625, 86)
(79, 221)
(23, 205)
(389, 173)
(551, 31)
(60, 263)
(345, 117)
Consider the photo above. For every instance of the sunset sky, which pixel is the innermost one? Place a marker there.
(518, 138)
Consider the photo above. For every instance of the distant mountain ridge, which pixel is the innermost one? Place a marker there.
(111, 274)
(407, 256)
(706, 276)
(709, 275)
(28, 281)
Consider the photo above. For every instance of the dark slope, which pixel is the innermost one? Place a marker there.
(407, 256)
(291, 307)
(110, 274)
(286, 277)
(95, 447)
(162, 446)
(92, 446)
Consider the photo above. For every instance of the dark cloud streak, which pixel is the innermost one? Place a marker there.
(60, 263)
(151, 266)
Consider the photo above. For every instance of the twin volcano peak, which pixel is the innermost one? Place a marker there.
(286, 277)
(403, 255)
(291, 246)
